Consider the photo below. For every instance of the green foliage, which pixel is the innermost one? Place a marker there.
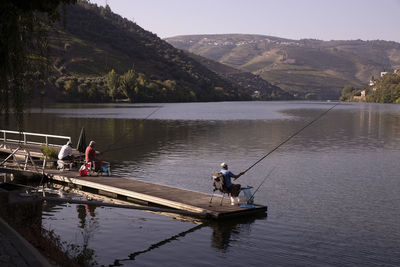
(82, 89)
(51, 152)
(128, 84)
(82, 255)
(348, 93)
(387, 90)
(113, 84)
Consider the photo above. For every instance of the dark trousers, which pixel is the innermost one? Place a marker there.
(68, 157)
(234, 190)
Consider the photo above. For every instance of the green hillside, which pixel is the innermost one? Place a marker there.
(91, 41)
(260, 88)
(312, 68)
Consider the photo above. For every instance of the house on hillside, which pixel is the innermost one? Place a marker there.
(396, 71)
(372, 81)
(361, 97)
(383, 73)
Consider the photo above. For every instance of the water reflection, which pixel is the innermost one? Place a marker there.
(83, 212)
(84, 255)
(132, 256)
(222, 231)
(220, 238)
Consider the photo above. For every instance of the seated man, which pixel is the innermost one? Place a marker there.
(90, 156)
(66, 152)
(233, 189)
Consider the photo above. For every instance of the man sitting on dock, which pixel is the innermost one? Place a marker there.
(90, 155)
(66, 152)
(65, 157)
(233, 189)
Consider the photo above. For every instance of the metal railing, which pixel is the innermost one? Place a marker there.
(23, 137)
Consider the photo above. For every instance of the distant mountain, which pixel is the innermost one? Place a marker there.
(312, 68)
(260, 88)
(91, 41)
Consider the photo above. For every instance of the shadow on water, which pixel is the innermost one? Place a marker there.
(220, 238)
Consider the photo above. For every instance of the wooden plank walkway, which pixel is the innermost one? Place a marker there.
(162, 195)
(150, 193)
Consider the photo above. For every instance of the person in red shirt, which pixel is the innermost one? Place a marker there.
(90, 155)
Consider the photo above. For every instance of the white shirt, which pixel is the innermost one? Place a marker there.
(66, 150)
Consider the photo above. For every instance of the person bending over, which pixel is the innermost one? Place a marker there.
(90, 156)
(66, 152)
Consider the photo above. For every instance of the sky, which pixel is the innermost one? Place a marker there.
(292, 19)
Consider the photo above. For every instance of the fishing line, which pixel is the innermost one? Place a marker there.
(266, 177)
(126, 133)
(290, 137)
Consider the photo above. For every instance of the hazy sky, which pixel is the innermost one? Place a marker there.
(293, 19)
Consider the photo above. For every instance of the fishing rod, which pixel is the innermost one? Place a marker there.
(290, 137)
(126, 133)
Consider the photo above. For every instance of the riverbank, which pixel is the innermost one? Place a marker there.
(23, 242)
(16, 251)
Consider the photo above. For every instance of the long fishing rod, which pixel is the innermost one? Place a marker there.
(126, 133)
(290, 137)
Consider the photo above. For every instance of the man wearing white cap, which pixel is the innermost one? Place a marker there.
(233, 189)
(66, 152)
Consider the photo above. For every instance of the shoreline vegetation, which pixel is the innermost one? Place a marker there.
(386, 89)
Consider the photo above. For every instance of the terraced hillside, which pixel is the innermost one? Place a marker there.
(311, 68)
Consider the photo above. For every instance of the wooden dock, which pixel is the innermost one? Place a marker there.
(141, 192)
(194, 203)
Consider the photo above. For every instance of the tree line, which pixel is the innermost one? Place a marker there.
(131, 86)
(385, 90)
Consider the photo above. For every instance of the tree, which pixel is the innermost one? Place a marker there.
(128, 83)
(140, 89)
(23, 48)
(113, 84)
(347, 93)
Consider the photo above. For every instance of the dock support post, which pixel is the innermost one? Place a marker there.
(26, 162)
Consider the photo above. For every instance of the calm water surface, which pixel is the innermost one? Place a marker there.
(333, 196)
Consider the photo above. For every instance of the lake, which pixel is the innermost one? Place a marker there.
(333, 194)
